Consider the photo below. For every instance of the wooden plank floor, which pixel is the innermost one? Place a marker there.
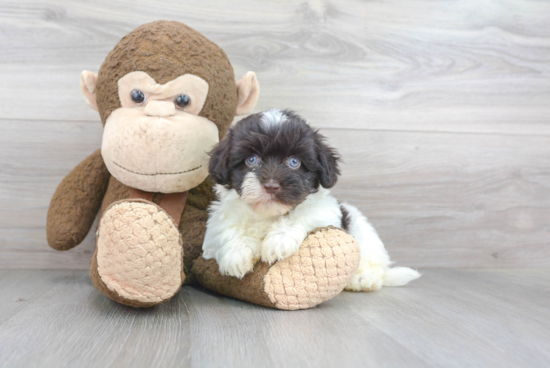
(447, 318)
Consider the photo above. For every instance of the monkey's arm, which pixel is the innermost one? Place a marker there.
(76, 202)
(326, 261)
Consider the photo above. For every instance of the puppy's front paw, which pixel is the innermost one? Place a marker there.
(367, 279)
(279, 245)
(237, 262)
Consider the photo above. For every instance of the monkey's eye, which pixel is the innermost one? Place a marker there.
(293, 163)
(138, 97)
(252, 161)
(182, 101)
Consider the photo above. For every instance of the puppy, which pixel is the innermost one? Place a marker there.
(272, 173)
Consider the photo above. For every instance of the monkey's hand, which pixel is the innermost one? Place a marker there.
(325, 262)
(76, 202)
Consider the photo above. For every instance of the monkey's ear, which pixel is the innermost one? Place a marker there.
(219, 162)
(88, 82)
(248, 91)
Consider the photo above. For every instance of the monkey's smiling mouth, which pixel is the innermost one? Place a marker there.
(175, 173)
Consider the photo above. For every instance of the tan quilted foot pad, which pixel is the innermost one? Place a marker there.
(324, 265)
(139, 252)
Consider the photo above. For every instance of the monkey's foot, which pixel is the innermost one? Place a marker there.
(325, 263)
(138, 259)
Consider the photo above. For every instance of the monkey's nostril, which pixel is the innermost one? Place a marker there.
(272, 187)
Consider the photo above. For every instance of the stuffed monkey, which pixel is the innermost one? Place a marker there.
(166, 95)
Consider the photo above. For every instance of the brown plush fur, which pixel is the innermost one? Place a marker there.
(74, 205)
(250, 288)
(156, 48)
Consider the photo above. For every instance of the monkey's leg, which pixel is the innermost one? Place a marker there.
(138, 259)
(76, 202)
(325, 263)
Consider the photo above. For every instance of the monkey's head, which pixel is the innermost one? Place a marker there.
(166, 95)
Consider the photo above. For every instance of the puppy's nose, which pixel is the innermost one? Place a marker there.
(160, 108)
(272, 187)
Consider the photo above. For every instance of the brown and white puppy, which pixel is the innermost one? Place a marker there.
(272, 173)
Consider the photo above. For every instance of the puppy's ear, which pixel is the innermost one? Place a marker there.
(219, 162)
(327, 168)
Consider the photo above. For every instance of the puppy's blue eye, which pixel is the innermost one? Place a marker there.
(294, 163)
(252, 161)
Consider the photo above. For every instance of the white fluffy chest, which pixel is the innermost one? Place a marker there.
(255, 227)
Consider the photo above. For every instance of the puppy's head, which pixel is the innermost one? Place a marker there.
(274, 160)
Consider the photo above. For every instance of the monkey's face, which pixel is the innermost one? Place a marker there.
(156, 141)
(165, 94)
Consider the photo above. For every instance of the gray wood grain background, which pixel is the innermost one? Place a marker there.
(441, 110)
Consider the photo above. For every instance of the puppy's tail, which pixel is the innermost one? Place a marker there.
(399, 276)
